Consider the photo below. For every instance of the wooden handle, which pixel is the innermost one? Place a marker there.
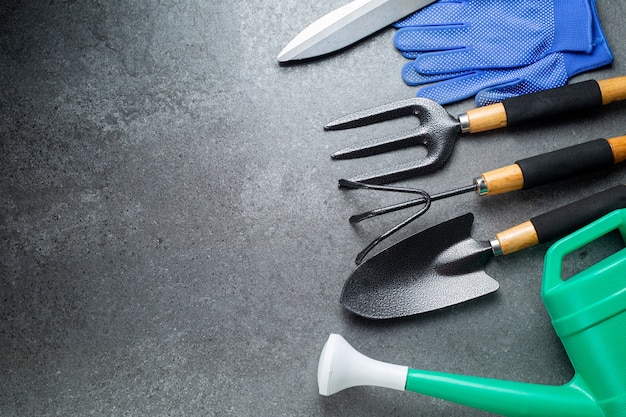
(618, 147)
(517, 238)
(502, 180)
(486, 118)
(613, 89)
(566, 219)
(561, 221)
(571, 98)
(553, 166)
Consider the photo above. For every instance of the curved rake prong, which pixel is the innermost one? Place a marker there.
(410, 203)
(372, 245)
(425, 199)
(356, 218)
(377, 212)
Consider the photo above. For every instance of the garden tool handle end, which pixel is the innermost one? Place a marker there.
(515, 239)
(571, 98)
(560, 222)
(613, 89)
(553, 166)
(520, 110)
(618, 147)
(499, 181)
(483, 119)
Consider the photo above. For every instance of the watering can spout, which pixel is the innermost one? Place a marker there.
(341, 366)
(507, 398)
(588, 312)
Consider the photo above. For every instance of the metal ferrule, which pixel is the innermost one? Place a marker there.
(465, 123)
(481, 186)
(496, 247)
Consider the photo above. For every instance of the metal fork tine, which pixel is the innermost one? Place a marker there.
(437, 131)
(377, 114)
(389, 143)
(401, 172)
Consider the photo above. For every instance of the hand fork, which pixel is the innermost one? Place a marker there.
(438, 130)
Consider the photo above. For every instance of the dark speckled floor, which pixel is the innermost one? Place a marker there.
(172, 240)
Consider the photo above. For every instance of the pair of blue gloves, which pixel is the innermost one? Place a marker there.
(495, 49)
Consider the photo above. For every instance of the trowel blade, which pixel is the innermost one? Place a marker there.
(436, 268)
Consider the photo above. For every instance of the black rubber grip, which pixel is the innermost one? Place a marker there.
(567, 219)
(551, 103)
(566, 163)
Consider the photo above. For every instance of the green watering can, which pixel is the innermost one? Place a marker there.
(588, 312)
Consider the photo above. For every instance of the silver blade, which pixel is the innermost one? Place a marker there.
(346, 25)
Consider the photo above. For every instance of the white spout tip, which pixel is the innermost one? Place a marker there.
(325, 365)
(341, 367)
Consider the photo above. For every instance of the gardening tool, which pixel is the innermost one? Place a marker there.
(588, 312)
(346, 25)
(438, 130)
(523, 174)
(442, 266)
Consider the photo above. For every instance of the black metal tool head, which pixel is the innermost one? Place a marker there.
(437, 132)
(436, 268)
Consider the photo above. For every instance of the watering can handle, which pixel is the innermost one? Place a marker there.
(582, 237)
(517, 111)
(561, 221)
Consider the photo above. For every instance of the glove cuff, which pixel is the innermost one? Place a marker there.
(600, 56)
(573, 26)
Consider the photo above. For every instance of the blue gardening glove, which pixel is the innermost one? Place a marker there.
(460, 35)
(494, 85)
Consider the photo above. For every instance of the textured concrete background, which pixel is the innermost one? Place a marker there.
(172, 240)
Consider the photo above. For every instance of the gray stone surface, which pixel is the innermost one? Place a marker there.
(172, 240)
